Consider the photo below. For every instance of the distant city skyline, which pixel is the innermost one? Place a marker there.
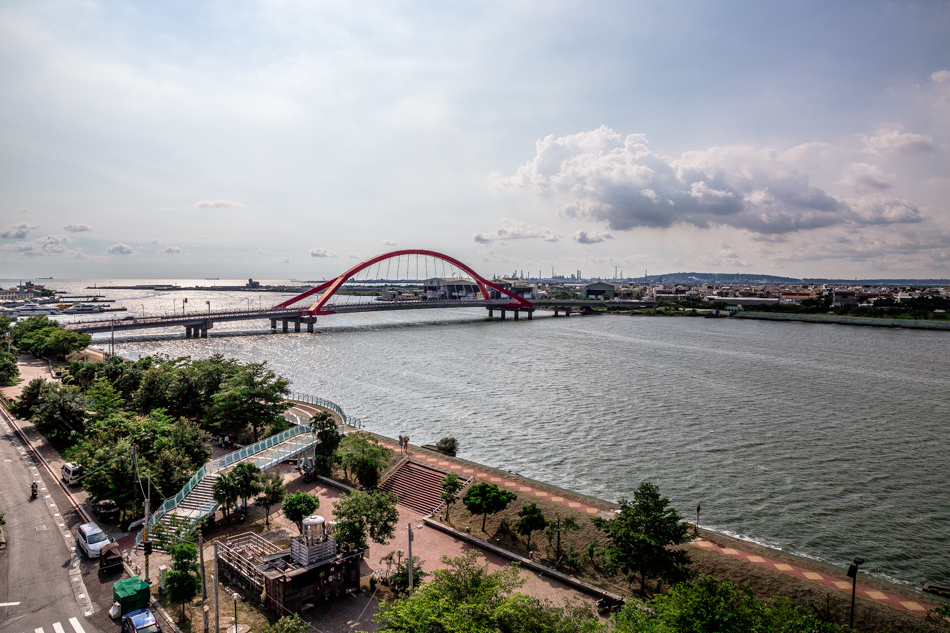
(291, 140)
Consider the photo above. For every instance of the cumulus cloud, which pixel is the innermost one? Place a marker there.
(169, 250)
(77, 228)
(389, 243)
(40, 247)
(620, 181)
(17, 231)
(882, 210)
(120, 249)
(583, 237)
(262, 251)
(283, 260)
(897, 142)
(217, 204)
(514, 230)
(319, 252)
(865, 177)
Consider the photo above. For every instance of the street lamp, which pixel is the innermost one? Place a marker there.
(235, 597)
(183, 302)
(209, 307)
(853, 575)
(409, 557)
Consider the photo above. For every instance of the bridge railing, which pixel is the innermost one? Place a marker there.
(301, 426)
(349, 420)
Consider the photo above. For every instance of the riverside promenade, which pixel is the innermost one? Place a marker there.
(432, 544)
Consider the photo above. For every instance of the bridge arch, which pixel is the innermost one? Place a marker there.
(330, 288)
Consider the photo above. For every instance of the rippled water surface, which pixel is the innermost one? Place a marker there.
(826, 441)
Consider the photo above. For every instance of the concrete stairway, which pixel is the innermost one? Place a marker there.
(417, 487)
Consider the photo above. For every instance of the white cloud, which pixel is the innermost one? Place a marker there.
(389, 243)
(77, 228)
(17, 231)
(514, 230)
(283, 260)
(583, 237)
(319, 252)
(40, 247)
(169, 250)
(120, 249)
(217, 204)
(865, 177)
(897, 142)
(620, 181)
(262, 251)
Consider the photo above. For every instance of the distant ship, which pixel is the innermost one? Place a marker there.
(84, 308)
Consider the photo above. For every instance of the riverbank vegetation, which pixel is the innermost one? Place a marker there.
(43, 337)
(926, 306)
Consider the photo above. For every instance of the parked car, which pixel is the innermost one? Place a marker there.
(106, 510)
(70, 473)
(91, 539)
(140, 621)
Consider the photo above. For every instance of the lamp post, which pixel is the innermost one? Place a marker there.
(209, 307)
(409, 557)
(183, 302)
(174, 306)
(853, 575)
(235, 597)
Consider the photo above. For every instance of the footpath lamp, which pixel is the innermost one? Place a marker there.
(235, 597)
(853, 575)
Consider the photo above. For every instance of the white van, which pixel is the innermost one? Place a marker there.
(70, 473)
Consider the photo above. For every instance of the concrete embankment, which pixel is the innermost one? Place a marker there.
(916, 324)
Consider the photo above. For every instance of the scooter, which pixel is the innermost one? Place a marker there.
(33, 491)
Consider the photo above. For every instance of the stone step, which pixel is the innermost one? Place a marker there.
(416, 487)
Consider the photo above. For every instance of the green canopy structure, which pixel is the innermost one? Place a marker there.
(131, 594)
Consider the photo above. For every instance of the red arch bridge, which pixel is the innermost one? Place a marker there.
(411, 279)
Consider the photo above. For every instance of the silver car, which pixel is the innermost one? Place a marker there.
(91, 539)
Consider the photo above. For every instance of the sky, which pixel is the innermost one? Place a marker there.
(288, 139)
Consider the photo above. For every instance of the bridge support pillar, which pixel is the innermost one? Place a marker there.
(310, 322)
(517, 314)
(491, 313)
(189, 331)
(273, 324)
(204, 332)
(284, 326)
(530, 314)
(555, 312)
(297, 324)
(502, 315)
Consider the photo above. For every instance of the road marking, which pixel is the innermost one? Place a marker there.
(8, 604)
(58, 627)
(40, 630)
(76, 625)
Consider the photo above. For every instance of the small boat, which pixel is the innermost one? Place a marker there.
(938, 590)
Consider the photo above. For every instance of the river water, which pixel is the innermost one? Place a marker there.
(825, 441)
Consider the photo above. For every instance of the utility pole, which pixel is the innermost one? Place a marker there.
(146, 545)
(204, 585)
(217, 623)
(410, 558)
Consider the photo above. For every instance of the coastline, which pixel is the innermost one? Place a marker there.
(832, 319)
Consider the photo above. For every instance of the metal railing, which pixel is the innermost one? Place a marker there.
(285, 449)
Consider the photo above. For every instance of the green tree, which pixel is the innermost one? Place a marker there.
(298, 506)
(272, 493)
(485, 499)
(287, 624)
(183, 582)
(252, 397)
(554, 530)
(104, 400)
(225, 491)
(247, 480)
(8, 367)
(361, 515)
(706, 604)
(399, 580)
(328, 439)
(61, 414)
(30, 398)
(641, 536)
(364, 457)
(532, 519)
(451, 486)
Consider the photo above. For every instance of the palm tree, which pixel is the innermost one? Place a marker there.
(246, 480)
(225, 491)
